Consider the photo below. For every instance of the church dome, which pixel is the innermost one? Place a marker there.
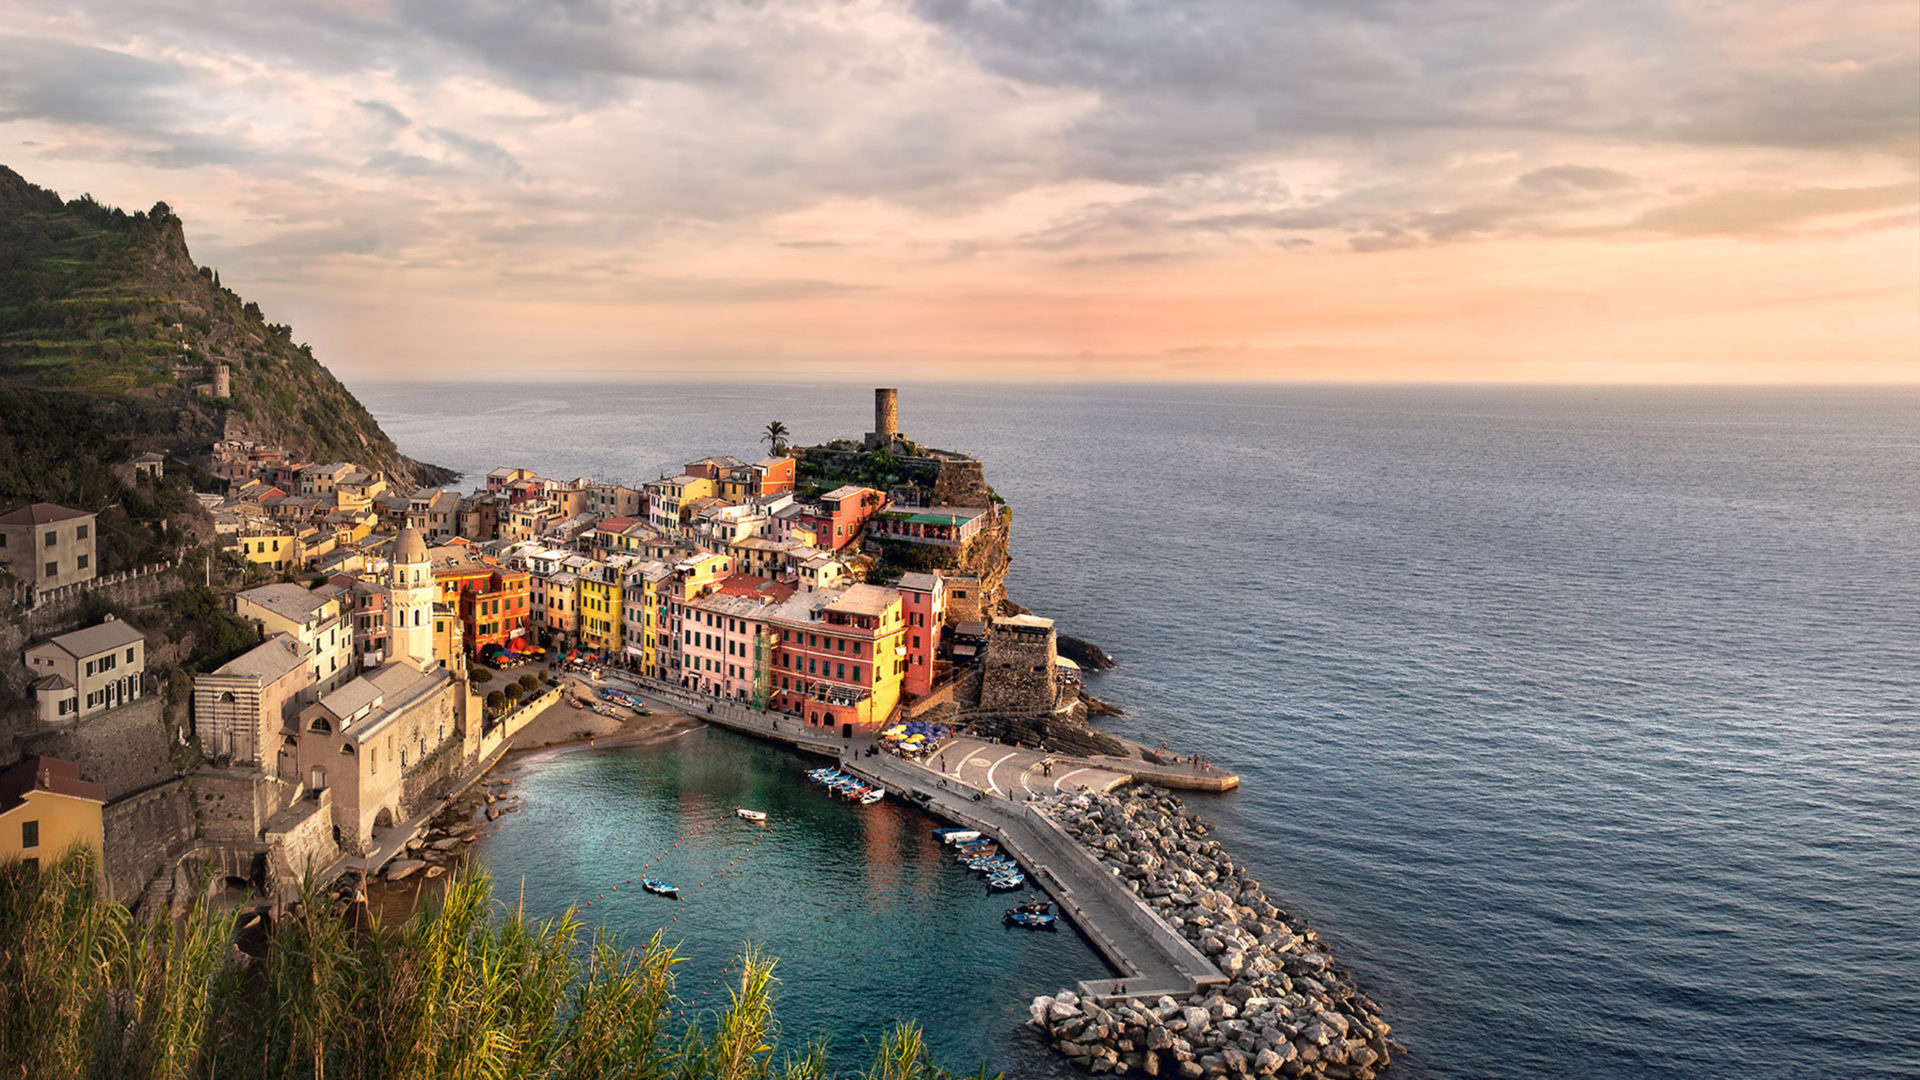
(410, 547)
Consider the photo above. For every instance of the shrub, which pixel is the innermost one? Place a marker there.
(469, 987)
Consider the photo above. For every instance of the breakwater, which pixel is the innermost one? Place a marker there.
(1286, 1008)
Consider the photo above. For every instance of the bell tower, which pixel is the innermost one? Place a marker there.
(410, 600)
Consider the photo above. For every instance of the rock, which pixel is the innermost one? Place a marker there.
(1196, 1020)
(1060, 1010)
(435, 871)
(399, 869)
(446, 844)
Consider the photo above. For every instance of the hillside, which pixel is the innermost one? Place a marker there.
(104, 317)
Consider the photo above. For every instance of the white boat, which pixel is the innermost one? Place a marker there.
(963, 834)
(873, 796)
(750, 815)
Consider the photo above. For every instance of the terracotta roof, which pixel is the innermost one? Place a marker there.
(42, 514)
(46, 774)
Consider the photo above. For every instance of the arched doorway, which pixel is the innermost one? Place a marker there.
(383, 819)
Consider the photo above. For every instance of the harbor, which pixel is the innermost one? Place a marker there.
(992, 788)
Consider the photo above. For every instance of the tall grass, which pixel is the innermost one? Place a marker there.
(465, 990)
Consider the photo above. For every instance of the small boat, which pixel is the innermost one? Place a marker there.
(1032, 920)
(1010, 883)
(660, 888)
(873, 796)
(942, 834)
(961, 836)
(750, 815)
(1032, 907)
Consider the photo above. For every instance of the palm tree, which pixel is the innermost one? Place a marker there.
(776, 436)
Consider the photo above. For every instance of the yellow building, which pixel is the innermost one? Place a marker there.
(601, 621)
(646, 590)
(667, 500)
(273, 551)
(45, 808)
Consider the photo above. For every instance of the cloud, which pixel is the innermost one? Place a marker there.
(1769, 212)
(1562, 179)
(44, 79)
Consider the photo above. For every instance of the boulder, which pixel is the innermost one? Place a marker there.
(399, 869)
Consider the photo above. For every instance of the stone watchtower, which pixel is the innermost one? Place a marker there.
(222, 381)
(886, 418)
(1021, 672)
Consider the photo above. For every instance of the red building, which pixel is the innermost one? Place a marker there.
(923, 600)
(840, 515)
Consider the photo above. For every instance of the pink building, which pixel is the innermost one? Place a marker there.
(727, 648)
(923, 597)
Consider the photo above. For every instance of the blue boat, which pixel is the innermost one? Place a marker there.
(660, 888)
(1007, 883)
(1032, 920)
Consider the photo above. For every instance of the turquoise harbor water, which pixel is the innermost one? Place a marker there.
(872, 921)
(1585, 723)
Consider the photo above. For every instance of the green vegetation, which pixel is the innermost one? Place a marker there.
(104, 314)
(467, 989)
(775, 437)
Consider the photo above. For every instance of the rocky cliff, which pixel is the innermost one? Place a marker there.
(105, 313)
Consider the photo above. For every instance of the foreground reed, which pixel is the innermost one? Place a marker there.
(465, 990)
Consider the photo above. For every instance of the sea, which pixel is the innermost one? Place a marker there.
(1584, 723)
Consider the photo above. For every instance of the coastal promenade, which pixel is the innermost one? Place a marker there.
(990, 787)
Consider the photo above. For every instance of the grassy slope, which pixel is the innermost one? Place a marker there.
(96, 308)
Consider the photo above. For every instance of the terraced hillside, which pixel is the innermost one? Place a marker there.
(104, 314)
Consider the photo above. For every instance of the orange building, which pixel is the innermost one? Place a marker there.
(493, 603)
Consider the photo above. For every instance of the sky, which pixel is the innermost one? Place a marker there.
(1369, 190)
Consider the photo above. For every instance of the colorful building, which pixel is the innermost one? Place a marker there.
(494, 603)
(840, 663)
(838, 517)
(45, 808)
(602, 623)
(923, 599)
(728, 648)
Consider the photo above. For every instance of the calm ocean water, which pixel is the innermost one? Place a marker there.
(1585, 723)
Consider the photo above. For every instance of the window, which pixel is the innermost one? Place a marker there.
(29, 834)
(129, 654)
(53, 568)
(81, 562)
(80, 533)
(51, 537)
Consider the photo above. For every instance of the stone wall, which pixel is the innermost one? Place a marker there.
(125, 749)
(433, 779)
(234, 805)
(56, 611)
(961, 482)
(299, 840)
(145, 833)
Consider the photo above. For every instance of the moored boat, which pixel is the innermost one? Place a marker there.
(873, 796)
(1032, 920)
(750, 815)
(660, 888)
(961, 836)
